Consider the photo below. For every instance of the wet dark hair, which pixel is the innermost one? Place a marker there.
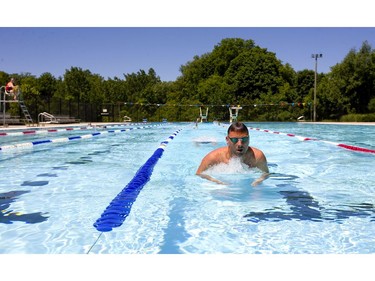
(238, 127)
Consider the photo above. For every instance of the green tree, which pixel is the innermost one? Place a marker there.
(215, 91)
(227, 50)
(355, 76)
(47, 88)
(115, 90)
(331, 104)
(141, 92)
(4, 78)
(30, 89)
(305, 82)
(253, 73)
(371, 105)
(77, 85)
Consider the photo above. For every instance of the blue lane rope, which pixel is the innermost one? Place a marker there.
(66, 139)
(119, 208)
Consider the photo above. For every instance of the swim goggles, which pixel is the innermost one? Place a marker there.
(243, 139)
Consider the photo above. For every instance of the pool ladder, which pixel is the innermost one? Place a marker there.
(28, 119)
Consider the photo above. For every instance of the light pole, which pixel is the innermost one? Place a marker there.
(315, 56)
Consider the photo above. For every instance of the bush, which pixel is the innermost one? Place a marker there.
(358, 118)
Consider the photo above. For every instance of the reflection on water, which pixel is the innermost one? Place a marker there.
(318, 198)
(8, 216)
(302, 206)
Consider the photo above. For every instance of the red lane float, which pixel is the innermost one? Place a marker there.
(342, 145)
(356, 148)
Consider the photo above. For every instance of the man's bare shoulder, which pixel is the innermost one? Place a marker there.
(214, 157)
(217, 155)
(256, 150)
(219, 150)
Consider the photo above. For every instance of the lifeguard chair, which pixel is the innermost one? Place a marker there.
(202, 116)
(18, 99)
(233, 113)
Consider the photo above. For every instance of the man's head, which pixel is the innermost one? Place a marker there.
(238, 127)
(238, 138)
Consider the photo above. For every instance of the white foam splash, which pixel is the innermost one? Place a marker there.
(235, 166)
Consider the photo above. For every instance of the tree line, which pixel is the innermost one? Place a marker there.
(235, 73)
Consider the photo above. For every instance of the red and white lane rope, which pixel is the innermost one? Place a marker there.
(346, 146)
(35, 132)
(67, 139)
(54, 130)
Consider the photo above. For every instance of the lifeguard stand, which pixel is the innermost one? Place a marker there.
(233, 113)
(202, 116)
(21, 103)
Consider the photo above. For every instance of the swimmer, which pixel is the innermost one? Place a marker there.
(205, 140)
(196, 123)
(237, 146)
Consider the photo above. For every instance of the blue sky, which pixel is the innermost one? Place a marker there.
(111, 52)
(116, 37)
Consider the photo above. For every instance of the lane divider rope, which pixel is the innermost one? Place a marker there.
(119, 208)
(54, 130)
(342, 145)
(43, 131)
(66, 139)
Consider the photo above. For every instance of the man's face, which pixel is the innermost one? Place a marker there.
(238, 143)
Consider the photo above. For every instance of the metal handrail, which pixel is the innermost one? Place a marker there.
(46, 116)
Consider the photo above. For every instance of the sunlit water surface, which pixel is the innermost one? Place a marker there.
(319, 198)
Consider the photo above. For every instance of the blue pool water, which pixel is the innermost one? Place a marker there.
(318, 200)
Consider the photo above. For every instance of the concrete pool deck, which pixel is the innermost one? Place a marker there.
(342, 123)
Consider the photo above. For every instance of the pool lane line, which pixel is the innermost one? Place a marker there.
(54, 130)
(119, 208)
(67, 139)
(342, 145)
(36, 132)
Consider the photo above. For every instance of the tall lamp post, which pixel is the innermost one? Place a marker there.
(315, 56)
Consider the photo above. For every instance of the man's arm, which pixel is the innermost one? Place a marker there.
(260, 179)
(208, 177)
(208, 161)
(263, 166)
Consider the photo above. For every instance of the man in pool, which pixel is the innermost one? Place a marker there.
(237, 146)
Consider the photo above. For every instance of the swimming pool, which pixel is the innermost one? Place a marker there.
(319, 199)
